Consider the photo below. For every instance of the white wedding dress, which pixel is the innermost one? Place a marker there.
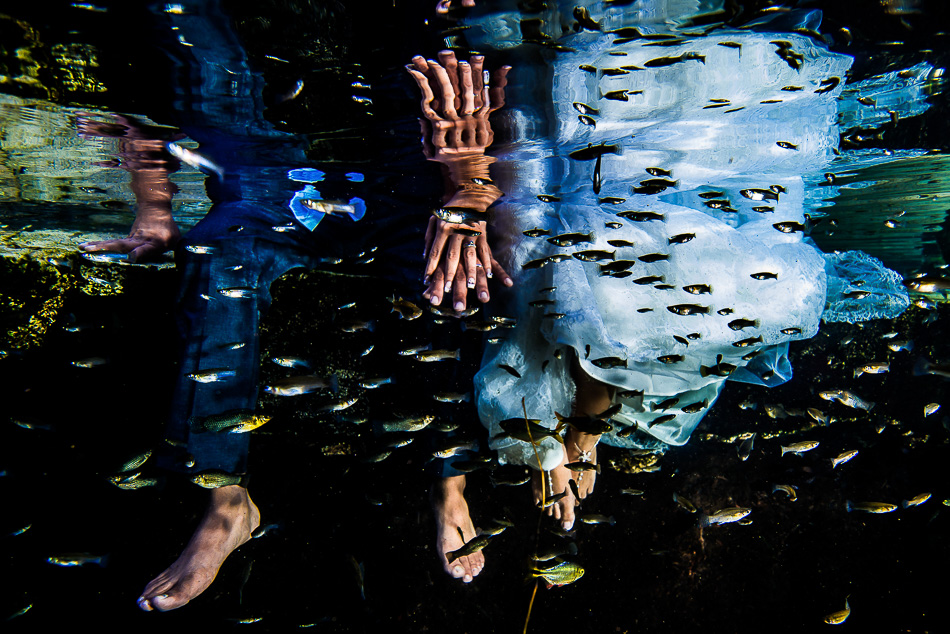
(733, 117)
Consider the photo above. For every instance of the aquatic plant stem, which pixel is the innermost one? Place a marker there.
(537, 534)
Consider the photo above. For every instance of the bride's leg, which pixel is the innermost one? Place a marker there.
(592, 398)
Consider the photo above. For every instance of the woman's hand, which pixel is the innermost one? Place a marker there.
(456, 103)
(478, 265)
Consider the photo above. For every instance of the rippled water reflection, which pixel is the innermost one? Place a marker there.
(673, 199)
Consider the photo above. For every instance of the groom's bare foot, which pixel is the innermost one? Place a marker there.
(229, 521)
(451, 514)
(556, 481)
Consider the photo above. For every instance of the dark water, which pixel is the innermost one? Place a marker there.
(654, 570)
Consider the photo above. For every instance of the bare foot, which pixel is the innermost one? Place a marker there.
(580, 447)
(592, 398)
(229, 521)
(557, 481)
(451, 514)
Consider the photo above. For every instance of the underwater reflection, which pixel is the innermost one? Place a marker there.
(260, 226)
(657, 237)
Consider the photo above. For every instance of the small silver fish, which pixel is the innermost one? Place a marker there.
(89, 362)
(799, 448)
(786, 489)
(372, 384)
(336, 406)
(843, 457)
(194, 159)
(291, 362)
(102, 256)
(725, 516)
(238, 292)
(200, 249)
(874, 367)
(212, 375)
(848, 398)
(744, 450)
(897, 346)
(870, 507)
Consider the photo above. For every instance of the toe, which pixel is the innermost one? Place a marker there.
(478, 563)
(466, 564)
(166, 602)
(567, 516)
(144, 604)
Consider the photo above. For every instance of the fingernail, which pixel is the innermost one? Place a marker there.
(471, 282)
(508, 281)
(488, 274)
(459, 306)
(458, 570)
(425, 280)
(467, 578)
(448, 287)
(483, 296)
(434, 300)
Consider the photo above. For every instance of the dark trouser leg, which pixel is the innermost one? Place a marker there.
(220, 331)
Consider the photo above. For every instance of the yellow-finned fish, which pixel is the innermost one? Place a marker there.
(684, 504)
(214, 479)
(559, 574)
(917, 500)
(234, 422)
(870, 507)
(135, 462)
(133, 482)
(405, 308)
(839, 617)
(786, 489)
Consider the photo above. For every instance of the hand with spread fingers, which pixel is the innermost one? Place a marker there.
(456, 100)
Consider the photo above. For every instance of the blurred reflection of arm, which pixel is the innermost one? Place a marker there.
(144, 156)
(456, 103)
(443, 6)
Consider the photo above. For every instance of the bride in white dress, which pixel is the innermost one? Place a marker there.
(687, 260)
